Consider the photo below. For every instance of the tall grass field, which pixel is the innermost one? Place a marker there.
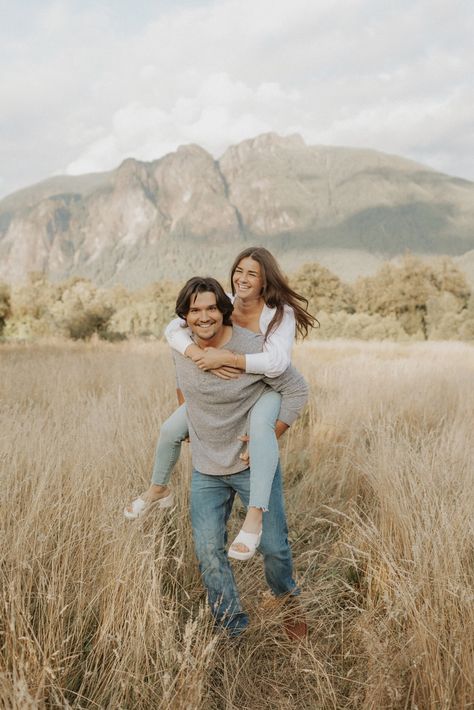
(100, 612)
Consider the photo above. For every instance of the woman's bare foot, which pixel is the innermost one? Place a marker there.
(252, 524)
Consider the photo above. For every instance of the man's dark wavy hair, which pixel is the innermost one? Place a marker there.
(203, 284)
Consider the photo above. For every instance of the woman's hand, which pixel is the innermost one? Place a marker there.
(193, 352)
(213, 358)
(221, 362)
(226, 373)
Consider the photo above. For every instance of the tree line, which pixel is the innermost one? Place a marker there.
(407, 300)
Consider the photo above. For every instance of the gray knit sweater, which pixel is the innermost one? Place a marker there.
(218, 409)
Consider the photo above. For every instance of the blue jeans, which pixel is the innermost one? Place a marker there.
(263, 447)
(212, 498)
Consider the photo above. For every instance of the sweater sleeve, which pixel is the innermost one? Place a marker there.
(178, 337)
(276, 355)
(294, 394)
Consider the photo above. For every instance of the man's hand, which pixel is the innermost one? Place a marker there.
(245, 456)
(280, 428)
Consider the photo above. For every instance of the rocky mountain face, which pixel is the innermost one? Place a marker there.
(187, 213)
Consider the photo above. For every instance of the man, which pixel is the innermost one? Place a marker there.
(217, 412)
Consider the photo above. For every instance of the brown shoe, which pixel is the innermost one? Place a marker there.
(294, 622)
(296, 628)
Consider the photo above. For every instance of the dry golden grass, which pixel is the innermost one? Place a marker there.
(97, 612)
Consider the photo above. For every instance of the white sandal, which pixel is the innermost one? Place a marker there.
(141, 507)
(250, 540)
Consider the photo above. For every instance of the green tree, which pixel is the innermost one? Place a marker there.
(324, 290)
(146, 312)
(466, 330)
(404, 291)
(35, 298)
(30, 308)
(5, 306)
(82, 309)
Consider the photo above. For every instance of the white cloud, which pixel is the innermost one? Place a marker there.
(221, 112)
(83, 88)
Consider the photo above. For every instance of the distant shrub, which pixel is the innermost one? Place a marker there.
(447, 320)
(112, 336)
(81, 324)
(411, 299)
(361, 326)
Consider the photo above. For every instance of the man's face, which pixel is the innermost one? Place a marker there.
(204, 318)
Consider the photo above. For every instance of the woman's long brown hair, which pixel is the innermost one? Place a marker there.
(276, 292)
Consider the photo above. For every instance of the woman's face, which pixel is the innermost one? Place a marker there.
(248, 279)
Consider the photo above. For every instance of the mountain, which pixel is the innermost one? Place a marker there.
(187, 213)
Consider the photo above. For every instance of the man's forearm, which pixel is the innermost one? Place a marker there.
(180, 396)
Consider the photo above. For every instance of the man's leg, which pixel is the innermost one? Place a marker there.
(278, 561)
(274, 544)
(211, 502)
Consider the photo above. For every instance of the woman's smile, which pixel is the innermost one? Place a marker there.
(247, 279)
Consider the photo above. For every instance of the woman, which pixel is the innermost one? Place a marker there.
(264, 303)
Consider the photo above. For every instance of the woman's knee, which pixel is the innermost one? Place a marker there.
(172, 431)
(265, 411)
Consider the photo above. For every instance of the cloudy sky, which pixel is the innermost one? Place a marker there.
(86, 83)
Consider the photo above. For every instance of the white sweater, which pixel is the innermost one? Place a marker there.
(276, 355)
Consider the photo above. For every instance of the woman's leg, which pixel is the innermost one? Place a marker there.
(264, 455)
(173, 431)
(263, 448)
